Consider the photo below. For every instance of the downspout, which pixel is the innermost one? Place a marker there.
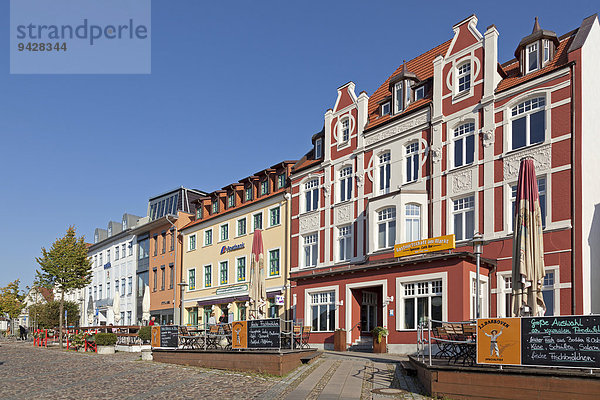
(430, 183)
(287, 285)
(175, 288)
(573, 208)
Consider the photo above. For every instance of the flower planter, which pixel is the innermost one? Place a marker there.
(339, 340)
(106, 349)
(147, 354)
(380, 347)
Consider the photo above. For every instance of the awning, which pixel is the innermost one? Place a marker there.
(223, 300)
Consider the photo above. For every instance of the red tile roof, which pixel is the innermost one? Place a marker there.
(422, 66)
(513, 74)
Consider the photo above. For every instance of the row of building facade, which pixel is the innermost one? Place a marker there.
(435, 150)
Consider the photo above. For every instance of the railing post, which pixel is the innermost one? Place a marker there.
(429, 338)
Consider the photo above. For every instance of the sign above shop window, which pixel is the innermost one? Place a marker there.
(429, 245)
(233, 289)
(227, 249)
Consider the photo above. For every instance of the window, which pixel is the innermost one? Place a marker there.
(224, 232)
(95, 293)
(384, 173)
(231, 200)
(323, 311)
(162, 277)
(506, 294)
(249, 193)
(241, 226)
(130, 245)
(273, 309)
(128, 317)
(422, 301)
(386, 228)
(529, 126)
(100, 291)
(199, 212)
(155, 237)
(264, 187)
(546, 51)
(346, 184)
(172, 247)
(101, 263)
(532, 62)
(123, 317)
(345, 131)
(464, 144)
(215, 206)
(345, 242)
(192, 279)
(208, 237)
(164, 242)
(274, 216)
(464, 218)
(412, 162)
(108, 255)
(541, 182)
(257, 218)
(548, 293)
(96, 261)
(419, 93)
(464, 77)
(129, 285)
(192, 243)
(171, 277)
(155, 287)
(117, 288)
(311, 194)
(399, 97)
(281, 180)
(310, 250)
(241, 269)
(116, 252)
(318, 148)
(207, 276)
(385, 108)
(123, 250)
(108, 289)
(274, 262)
(223, 272)
(413, 222)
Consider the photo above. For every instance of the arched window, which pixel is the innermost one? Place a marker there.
(311, 194)
(412, 221)
(386, 228)
(384, 172)
(528, 123)
(464, 144)
(412, 161)
(346, 184)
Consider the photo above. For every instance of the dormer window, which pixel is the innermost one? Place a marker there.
(546, 51)
(399, 96)
(318, 148)
(215, 206)
(249, 193)
(419, 93)
(231, 200)
(532, 57)
(385, 108)
(464, 77)
(199, 212)
(109, 230)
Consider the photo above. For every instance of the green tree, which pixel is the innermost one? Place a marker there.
(11, 299)
(64, 267)
(48, 314)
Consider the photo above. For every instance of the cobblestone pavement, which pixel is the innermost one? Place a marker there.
(30, 372)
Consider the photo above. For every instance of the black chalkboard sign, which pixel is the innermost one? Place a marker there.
(264, 333)
(169, 336)
(572, 341)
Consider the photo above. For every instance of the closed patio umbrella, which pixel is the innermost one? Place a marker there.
(257, 290)
(116, 308)
(528, 268)
(90, 311)
(146, 304)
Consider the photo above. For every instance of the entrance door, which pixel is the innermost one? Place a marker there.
(368, 312)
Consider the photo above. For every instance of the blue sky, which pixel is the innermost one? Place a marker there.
(235, 87)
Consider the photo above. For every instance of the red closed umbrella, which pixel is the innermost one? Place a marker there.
(257, 290)
(528, 268)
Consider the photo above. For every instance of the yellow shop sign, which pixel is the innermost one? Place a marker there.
(425, 246)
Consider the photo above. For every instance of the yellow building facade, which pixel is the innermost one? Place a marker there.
(218, 247)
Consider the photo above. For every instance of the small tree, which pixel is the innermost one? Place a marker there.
(48, 314)
(64, 267)
(11, 300)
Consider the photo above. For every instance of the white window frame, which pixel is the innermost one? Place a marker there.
(311, 189)
(309, 304)
(385, 216)
(410, 219)
(386, 108)
(344, 238)
(237, 226)
(278, 208)
(414, 279)
(345, 183)
(524, 109)
(461, 134)
(421, 90)
(466, 73)
(344, 137)
(511, 199)
(483, 294)
(318, 148)
(399, 96)
(192, 242)
(226, 231)
(307, 241)
(503, 288)
(529, 50)
(458, 208)
(206, 235)
(409, 155)
(546, 50)
(385, 172)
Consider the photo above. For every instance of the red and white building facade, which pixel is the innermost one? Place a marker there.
(436, 151)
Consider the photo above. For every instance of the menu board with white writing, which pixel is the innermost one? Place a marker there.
(572, 341)
(264, 333)
(169, 335)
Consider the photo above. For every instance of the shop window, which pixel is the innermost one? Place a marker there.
(528, 125)
(464, 218)
(322, 308)
(421, 301)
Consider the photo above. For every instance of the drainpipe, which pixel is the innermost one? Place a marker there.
(286, 286)
(176, 233)
(430, 183)
(573, 209)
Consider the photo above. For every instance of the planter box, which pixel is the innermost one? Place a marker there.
(339, 340)
(106, 349)
(380, 347)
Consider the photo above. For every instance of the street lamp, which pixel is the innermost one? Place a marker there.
(477, 247)
(181, 285)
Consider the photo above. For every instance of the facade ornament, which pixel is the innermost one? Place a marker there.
(309, 223)
(436, 154)
(461, 181)
(343, 214)
(422, 119)
(542, 160)
(488, 138)
(360, 182)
